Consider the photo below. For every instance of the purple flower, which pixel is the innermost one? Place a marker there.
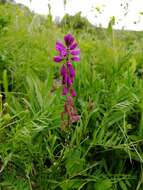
(69, 39)
(71, 70)
(61, 49)
(73, 46)
(69, 81)
(59, 46)
(65, 50)
(73, 93)
(57, 58)
(75, 118)
(75, 52)
(63, 70)
(65, 91)
(76, 59)
(65, 79)
(66, 53)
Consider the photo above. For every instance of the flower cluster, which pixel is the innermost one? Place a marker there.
(67, 53)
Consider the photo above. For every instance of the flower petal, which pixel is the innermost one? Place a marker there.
(57, 58)
(63, 70)
(75, 52)
(69, 81)
(61, 48)
(73, 93)
(65, 91)
(64, 80)
(71, 70)
(76, 59)
(70, 100)
(69, 39)
(63, 52)
(75, 118)
(73, 46)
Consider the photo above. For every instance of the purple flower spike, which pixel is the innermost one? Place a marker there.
(73, 46)
(66, 53)
(65, 91)
(76, 59)
(75, 52)
(69, 39)
(57, 58)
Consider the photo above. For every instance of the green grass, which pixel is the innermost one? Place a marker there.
(104, 150)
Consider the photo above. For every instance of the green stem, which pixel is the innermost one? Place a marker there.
(0, 104)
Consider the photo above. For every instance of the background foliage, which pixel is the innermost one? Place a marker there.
(104, 151)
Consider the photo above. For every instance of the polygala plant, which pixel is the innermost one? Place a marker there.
(68, 53)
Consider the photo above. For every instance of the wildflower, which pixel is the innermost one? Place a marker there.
(75, 59)
(69, 39)
(67, 49)
(63, 70)
(71, 70)
(73, 93)
(65, 91)
(75, 52)
(67, 53)
(73, 46)
(57, 58)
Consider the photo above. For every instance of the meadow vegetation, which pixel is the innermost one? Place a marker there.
(104, 150)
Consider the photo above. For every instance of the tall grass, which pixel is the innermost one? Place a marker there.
(104, 150)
